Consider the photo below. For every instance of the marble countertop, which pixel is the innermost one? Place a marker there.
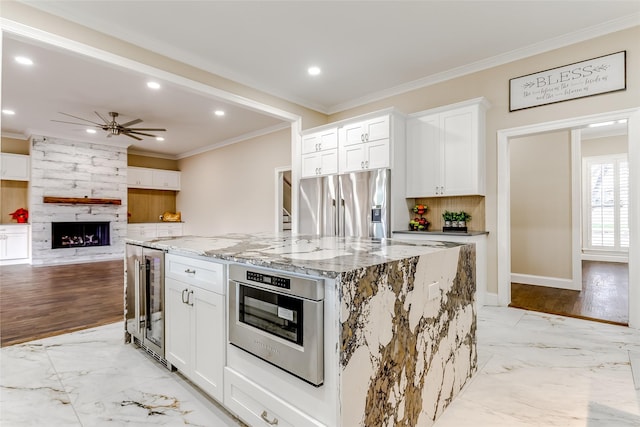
(311, 255)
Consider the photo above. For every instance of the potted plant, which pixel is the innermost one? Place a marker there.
(447, 217)
(463, 217)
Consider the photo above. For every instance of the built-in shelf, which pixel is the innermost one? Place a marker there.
(82, 200)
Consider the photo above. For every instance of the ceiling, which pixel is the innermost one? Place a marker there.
(366, 50)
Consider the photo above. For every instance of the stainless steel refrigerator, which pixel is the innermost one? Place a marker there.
(356, 204)
(145, 299)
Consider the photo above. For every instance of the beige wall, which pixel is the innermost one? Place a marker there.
(494, 85)
(541, 205)
(604, 146)
(232, 189)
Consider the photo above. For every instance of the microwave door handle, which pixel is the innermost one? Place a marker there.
(136, 286)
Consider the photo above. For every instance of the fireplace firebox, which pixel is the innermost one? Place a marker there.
(79, 234)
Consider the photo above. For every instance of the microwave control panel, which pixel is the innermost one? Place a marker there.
(280, 282)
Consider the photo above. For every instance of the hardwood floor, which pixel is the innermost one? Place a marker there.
(38, 302)
(604, 296)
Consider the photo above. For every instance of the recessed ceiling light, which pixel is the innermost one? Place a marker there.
(8, 112)
(159, 138)
(91, 131)
(313, 71)
(219, 113)
(153, 85)
(24, 60)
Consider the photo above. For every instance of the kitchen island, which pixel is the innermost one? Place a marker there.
(399, 328)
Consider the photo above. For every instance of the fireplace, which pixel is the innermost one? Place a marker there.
(79, 234)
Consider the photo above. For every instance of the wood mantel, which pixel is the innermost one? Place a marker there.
(82, 200)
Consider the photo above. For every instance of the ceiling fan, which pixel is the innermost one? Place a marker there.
(115, 128)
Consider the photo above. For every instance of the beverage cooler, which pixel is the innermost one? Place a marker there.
(145, 299)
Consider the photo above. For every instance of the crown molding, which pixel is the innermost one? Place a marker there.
(151, 154)
(240, 138)
(515, 55)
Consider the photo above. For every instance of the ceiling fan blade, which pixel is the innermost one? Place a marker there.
(80, 124)
(148, 129)
(102, 118)
(80, 118)
(130, 136)
(132, 122)
(127, 132)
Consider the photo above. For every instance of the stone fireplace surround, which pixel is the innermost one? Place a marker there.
(63, 168)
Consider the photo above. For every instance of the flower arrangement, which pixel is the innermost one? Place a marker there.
(21, 215)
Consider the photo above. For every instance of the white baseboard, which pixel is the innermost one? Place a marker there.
(551, 282)
(491, 299)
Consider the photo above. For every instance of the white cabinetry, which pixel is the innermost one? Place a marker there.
(14, 242)
(153, 179)
(195, 320)
(364, 145)
(320, 153)
(446, 151)
(257, 406)
(152, 230)
(14, 167)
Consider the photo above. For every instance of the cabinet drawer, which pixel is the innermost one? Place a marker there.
(203, 274)
(257, 406)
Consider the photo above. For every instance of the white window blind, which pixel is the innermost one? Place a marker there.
(607, 203)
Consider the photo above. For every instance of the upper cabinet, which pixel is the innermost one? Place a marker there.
(154, 179)
(364, 145)
(14, 167)
(320, 153)
(446, 151)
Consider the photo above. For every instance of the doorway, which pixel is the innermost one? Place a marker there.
(504, 212)
(284, 200)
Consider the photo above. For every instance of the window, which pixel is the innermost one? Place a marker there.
(606, 203)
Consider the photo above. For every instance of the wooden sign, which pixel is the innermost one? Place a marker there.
(587, 78)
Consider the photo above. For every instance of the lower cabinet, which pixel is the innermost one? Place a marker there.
(14, 242)
(195, 321)
(257, 406)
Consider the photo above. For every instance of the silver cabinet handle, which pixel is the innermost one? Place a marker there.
(362, 164)
(362, 137)
(189, 299)
(366, 137)
(185, 300)
(273, 422)
(190, 271)
(366, 164)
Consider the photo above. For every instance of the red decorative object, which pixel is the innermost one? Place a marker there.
(21, 215)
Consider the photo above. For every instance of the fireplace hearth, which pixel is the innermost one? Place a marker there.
(79, 234)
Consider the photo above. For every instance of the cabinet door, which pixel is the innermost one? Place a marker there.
(377, 154)
(328, 162)
(459, 142)
(17, 245)
(177, 324)
(166, 180)
(311, 164)
(139, 177)
(423, 156)
(14, 167)
(352, 158)
(208, 338)
(376, 129)
(351, 134)
(319, 141)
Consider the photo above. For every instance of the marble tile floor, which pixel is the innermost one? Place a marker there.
(534, 370)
